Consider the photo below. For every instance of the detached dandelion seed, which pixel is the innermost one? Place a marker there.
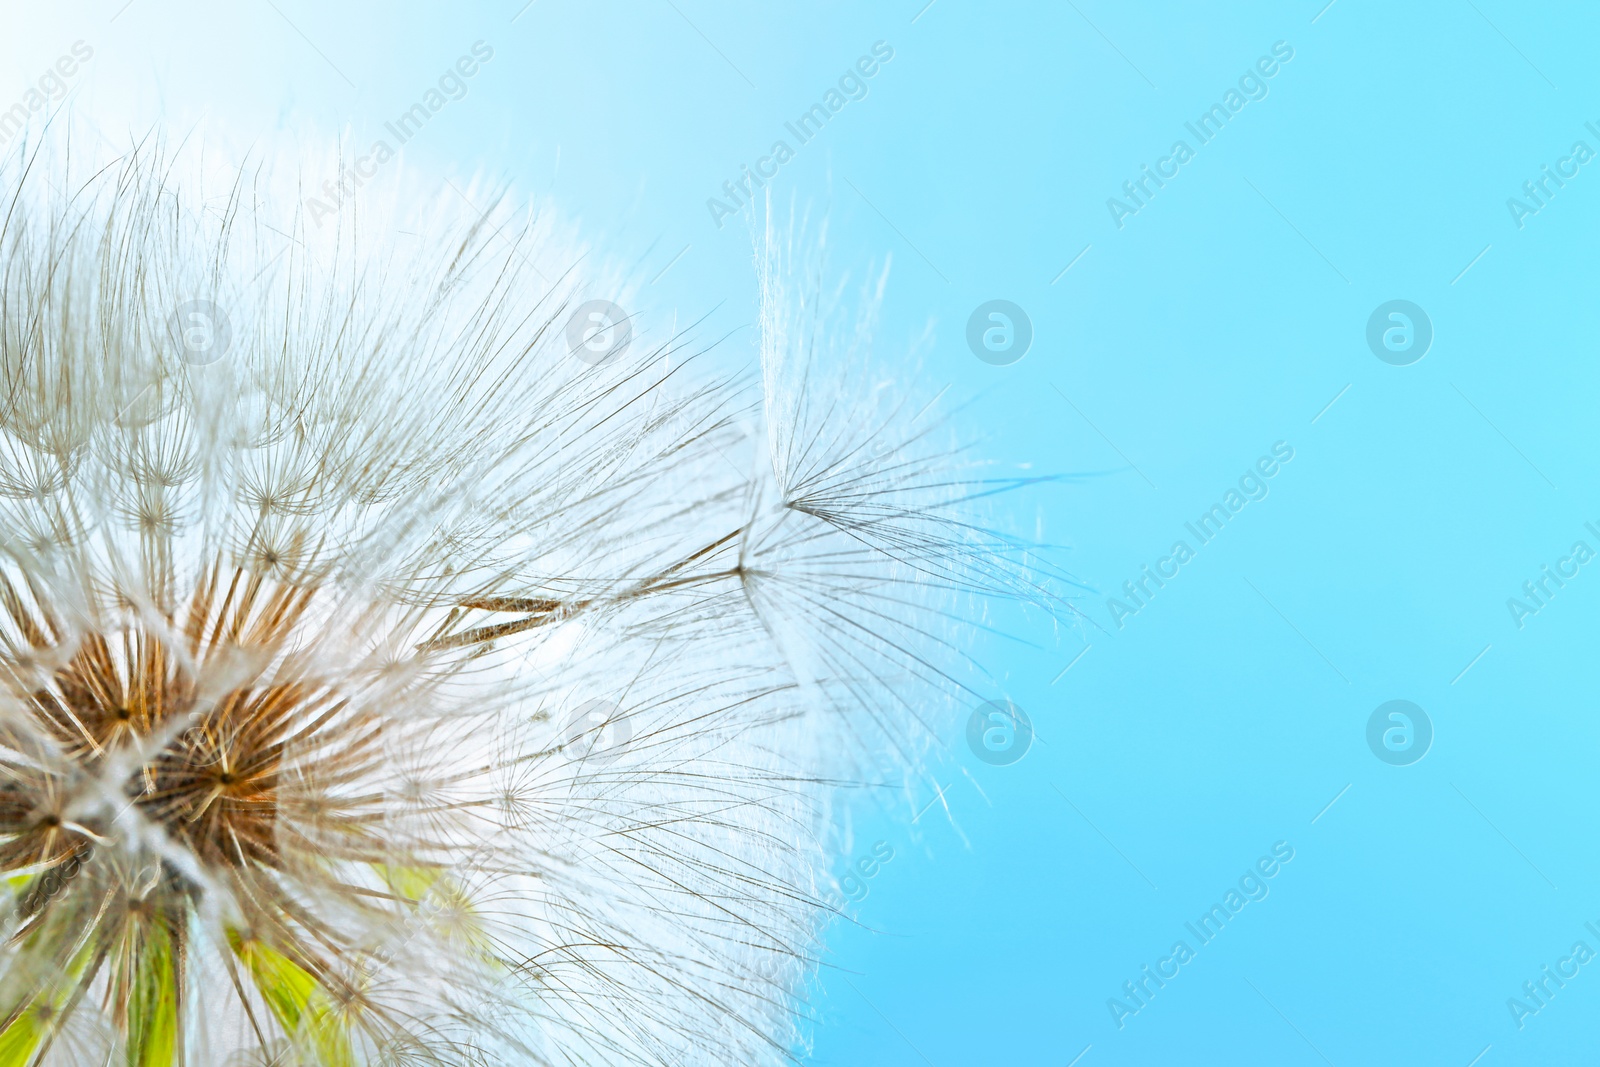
(382, 684)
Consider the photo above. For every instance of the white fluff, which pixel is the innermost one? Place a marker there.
(570, 655)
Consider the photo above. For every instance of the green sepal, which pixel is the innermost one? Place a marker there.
(153, 1001)
(297, 1000)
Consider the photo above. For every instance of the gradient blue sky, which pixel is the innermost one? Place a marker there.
(1228, 314)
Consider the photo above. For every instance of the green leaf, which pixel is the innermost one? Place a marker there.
(153, 1001)
(19, 1040)
(302, 1006)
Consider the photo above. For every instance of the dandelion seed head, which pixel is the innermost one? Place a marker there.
(381, 681)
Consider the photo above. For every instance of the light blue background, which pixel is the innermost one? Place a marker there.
(1222, 318)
